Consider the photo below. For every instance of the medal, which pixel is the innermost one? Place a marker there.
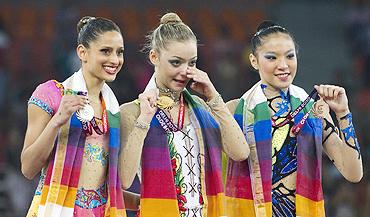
(86, 113)
(165, 102)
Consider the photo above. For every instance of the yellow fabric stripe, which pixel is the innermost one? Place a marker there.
(66, 196)
(307, 207)
(216, 205)
(114, 212)
(150, 207)
(33, 210)
(238, 207)
(58, 164)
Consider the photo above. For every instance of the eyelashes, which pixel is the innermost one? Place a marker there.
(177, 63)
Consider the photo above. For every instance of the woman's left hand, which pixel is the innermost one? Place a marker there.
(202, 84)
(335, 97)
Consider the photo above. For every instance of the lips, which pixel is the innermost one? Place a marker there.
(283, 76)
(180, 81)
(110, 69)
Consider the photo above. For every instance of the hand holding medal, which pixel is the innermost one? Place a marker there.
(70, 103)
(335, 97)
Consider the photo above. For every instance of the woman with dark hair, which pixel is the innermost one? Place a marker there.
(287, 130)
(73, 134)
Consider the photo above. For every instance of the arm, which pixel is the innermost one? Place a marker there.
(134, 128)
(42, 130)
(233, 140)
(341, 145)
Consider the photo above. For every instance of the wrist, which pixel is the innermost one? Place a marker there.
(212, 95)
(142, 123)
(55, 121)
(213, 102)
(342, 114)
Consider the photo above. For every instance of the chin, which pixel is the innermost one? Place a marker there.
(110, 78)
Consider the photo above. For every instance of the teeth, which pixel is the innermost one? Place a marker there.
(110, 69)
(282, 75)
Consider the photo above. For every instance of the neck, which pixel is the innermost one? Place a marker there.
(165, 91)
(271, 91)
(94, 86)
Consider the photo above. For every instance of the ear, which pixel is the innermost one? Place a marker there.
(81, 52)
(254, 61)
(154, 57)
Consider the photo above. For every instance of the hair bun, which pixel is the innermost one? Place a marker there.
(266, 24)
(170, 18)
(83, 21)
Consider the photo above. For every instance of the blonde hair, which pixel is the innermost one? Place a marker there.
(170, 28)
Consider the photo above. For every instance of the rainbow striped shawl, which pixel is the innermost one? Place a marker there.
(253, 117)
(58, 195)
(158, 194)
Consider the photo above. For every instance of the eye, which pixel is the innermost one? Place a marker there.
(175, 63)
(105, 51)
(291, 56)
(120, 52)
(193, 63)
(270, 57)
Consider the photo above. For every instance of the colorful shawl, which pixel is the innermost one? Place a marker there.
(158, 193)
(248, 185)
(58, 195)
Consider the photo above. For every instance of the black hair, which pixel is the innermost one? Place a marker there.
(89, 28)
(266, 28)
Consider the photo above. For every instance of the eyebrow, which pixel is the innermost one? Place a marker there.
(271, 52)
(184, 59)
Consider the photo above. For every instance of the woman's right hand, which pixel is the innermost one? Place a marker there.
(68, 105)
(148, 105)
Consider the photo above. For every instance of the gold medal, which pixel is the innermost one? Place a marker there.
(165, 102)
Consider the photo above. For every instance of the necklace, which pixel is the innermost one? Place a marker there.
(175, 95)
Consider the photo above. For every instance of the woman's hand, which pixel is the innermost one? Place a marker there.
(148, 105)
(335, 97)
(202, 84)
(68, 105)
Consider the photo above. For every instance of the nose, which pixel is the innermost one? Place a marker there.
(184, 70)
(283, 64)
(115, 59)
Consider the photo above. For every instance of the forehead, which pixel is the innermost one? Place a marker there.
(110, 38)
(185, 49)
(277, 41)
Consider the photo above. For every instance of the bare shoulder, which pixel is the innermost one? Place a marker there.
(232, 104)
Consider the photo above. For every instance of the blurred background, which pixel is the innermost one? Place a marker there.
(38, 40)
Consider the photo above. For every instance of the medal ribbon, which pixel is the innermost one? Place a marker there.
(296, 128)
(181, 115)
(88, 126)
(166, 122)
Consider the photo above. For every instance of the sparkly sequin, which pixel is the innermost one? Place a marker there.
(41, 104)
(95, 153)
(90, 199)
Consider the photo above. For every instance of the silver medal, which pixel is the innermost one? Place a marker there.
(86, 113)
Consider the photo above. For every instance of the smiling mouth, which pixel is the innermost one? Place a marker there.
(110, 69)
(283, 75)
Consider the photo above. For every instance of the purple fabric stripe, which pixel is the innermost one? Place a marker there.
(156, 137)
(215, 154)
(264, 150)
(154, 158)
